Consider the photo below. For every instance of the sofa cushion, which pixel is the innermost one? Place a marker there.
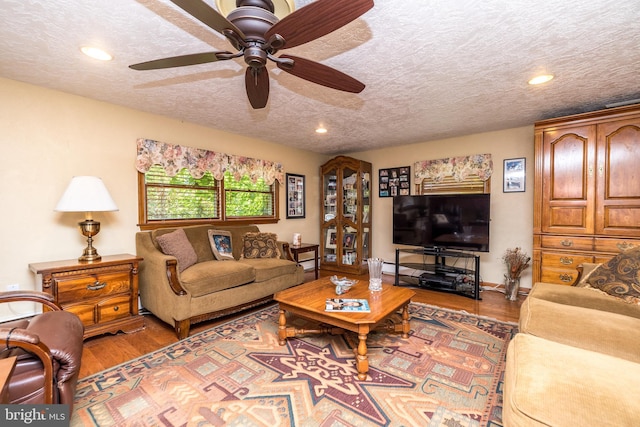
(552, 384)
(260, 245)
(619, 276)
(269, 268)
(582, 297)
(213, 276)
(590, 329)
(176, 244)
(197, 235)
(221, 246)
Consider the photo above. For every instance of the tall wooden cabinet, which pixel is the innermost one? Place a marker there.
(345, 223)
(587, 191)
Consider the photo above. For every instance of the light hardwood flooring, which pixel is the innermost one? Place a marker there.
(105, 351)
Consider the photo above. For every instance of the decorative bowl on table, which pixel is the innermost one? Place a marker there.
(342, 284)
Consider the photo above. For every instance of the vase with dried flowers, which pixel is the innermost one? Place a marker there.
(516, 261)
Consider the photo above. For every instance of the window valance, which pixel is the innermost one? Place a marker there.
(457, 167)
(174, 158)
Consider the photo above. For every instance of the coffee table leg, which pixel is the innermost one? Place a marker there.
(362, 361)
(405, 321)
(282, 328)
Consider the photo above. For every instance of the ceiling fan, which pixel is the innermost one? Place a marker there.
(257, 34)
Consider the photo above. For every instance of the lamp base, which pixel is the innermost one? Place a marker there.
(89, 228)
(90, 254)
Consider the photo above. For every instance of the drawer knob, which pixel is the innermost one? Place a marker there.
(116, 308)
(567, 278)
(96, 286)
(567, 243)
(566, 261)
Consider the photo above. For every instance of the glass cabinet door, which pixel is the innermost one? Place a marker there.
(350, 195)
(330, 196)
(366, 214)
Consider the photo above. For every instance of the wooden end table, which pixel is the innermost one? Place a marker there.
(306, 247)
(103, 294)
(308, 301)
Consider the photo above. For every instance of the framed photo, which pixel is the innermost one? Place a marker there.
(394, 181)
(332, 236)
(220, 241)
(514, 175)
(295, 196)
(349, 240)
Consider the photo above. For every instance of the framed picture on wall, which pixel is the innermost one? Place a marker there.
(514, 175)
(295, 196)
(394, 181)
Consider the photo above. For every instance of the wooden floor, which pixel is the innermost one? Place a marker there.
(105, 351)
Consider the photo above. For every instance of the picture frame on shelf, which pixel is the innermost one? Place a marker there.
(295, 196)
(514, 175)
(394, 181)
(332, 237)
(349, 240)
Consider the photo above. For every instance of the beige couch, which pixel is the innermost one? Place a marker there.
(209, 288)
(576, 358)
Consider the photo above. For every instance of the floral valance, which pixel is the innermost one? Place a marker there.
(457, 167)
(174, 158)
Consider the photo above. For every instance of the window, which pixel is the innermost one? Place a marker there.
(184, 200)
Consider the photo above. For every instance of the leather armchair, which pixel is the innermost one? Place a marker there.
(48, 350)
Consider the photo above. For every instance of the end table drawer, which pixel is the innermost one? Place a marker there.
(113, 308)
(92, 286)
(86, 312)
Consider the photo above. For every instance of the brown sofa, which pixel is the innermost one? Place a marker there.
(209, 288)
(576, 358)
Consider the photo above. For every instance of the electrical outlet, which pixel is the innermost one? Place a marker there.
(13, 287)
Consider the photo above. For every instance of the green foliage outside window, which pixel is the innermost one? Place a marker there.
(183, 197)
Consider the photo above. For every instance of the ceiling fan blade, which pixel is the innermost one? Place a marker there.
(257, 84)
(178, 61)
(207, 15)
(317, 19)
(320, 74)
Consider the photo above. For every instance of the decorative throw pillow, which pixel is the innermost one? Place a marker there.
(177, 245)
(619, 276)
(220, 242)
(260, 245)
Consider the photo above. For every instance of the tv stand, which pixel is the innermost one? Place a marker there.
(439, 276)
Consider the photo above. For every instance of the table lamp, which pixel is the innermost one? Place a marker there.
(87, 194)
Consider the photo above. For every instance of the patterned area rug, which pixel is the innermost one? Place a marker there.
(448, 373)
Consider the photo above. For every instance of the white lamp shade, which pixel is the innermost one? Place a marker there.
(86, 194)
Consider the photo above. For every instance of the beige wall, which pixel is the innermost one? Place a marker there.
(48, 136)
(511, 213)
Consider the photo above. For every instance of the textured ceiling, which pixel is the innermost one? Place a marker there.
(432, 68)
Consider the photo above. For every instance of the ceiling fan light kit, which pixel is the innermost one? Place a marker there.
(258, 34)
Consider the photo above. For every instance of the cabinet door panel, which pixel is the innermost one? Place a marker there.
(618, 178)
(568, 190)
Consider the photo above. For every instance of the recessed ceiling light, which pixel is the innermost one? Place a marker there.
(538, 80)
(96, 53)
(321, 129)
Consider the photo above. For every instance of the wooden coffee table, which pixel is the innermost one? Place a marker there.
(308, 301)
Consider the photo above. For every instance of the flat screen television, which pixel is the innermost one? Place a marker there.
(452, 221)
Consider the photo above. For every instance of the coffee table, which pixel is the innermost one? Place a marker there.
(308, 301)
